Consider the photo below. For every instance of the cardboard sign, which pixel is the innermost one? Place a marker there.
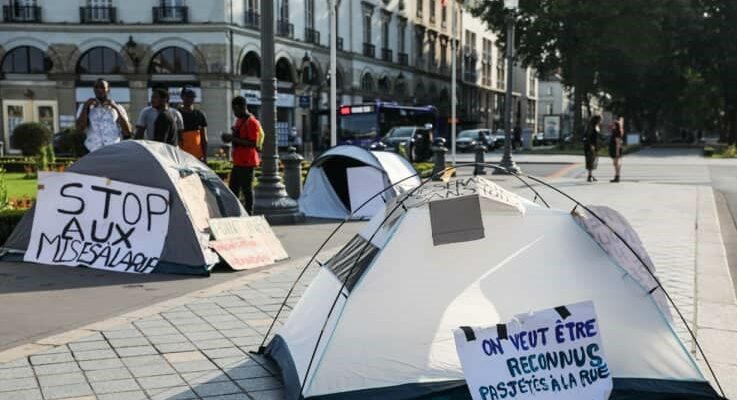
(550, 354)
(98, 222)
(255, 237)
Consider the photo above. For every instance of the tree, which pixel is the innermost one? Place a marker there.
(556, 35)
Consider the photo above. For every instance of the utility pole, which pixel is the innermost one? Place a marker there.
(507, 161)
(333, 102)
(453, 83)
(271, 197)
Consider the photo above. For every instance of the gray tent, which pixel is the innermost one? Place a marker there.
(161, 166)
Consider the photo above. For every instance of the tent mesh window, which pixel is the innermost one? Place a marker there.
(353, 260)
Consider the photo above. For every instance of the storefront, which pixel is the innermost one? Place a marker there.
(285, 105)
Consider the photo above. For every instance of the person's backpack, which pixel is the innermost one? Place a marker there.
(260, 137)
(165, 129)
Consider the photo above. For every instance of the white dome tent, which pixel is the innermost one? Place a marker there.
(341, 179)
(377, 321)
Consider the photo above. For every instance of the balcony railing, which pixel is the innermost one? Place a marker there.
(444, 69)
(97, 15)
(312, 36)
(470, 76)
(171, 14)
(386, 55)
(403, 58)
(339, 43)
(253, 19)
(284, 28)
(21, 13)
(369, 50)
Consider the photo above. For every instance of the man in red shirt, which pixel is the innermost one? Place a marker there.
(244, 136)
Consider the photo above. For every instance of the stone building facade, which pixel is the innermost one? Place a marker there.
(389, 50)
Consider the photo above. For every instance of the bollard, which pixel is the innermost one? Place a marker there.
(293, 173)
(479, 149)
(439, 150)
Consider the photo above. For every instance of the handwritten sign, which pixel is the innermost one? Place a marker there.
(255, 228)
(243, 252)
(550, 354)
(97, 222)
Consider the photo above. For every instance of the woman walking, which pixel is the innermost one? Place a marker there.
(615, 149)
(590, 146)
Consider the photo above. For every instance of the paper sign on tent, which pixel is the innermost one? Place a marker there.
(98, 222)
(550, 354)
(246, 242)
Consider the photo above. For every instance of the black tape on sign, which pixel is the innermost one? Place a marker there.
(470, 334)
(501, 331)
(563, 312)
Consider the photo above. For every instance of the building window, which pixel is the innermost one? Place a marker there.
(531, 114)
(419, 44)
(419, 8)
(550, 90)
(251, 66)
(500, 70)
(310, 14)
(101, 61)
(368, 12)
(252, 5)
(531, 84)
(173, 60)
(549, 109)
(26, 60)
(283, 71)
(443, 16)
(432, 11)
(367, 83)
(401, 35)
(385, 19)
(284, 10)
(23, 11)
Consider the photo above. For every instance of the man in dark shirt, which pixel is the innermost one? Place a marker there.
(193, 138)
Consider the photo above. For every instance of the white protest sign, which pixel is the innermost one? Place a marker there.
(97, 222)
(243, 252)
(255, 228)
(550, 354)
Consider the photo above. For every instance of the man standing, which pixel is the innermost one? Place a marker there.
(159, 122)
(247, 137)
(102, 120)
(193, 139)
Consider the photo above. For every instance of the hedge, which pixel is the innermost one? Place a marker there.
(8, 221)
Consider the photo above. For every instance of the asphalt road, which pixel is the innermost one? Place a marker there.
(40, 301)
(724, 182)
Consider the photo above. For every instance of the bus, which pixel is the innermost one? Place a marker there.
(364, 124)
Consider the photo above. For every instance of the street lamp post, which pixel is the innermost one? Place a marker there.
(507, 163)
(271, 199)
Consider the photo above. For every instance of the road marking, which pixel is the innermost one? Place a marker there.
(562, 172)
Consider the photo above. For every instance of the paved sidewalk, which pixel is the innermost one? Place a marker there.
(197, 347)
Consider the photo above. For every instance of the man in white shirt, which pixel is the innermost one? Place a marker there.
(103, 121)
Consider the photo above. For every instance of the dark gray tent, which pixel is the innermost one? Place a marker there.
(160, 166)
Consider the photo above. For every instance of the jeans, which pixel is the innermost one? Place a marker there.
(241, 180)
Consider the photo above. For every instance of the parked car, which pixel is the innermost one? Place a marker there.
(466, 140)
(418, 140)
(538, 139)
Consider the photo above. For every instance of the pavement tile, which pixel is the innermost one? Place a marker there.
(248, 341)
(159, 331)
(249, 372)
(256, 384)
(239, 332)
(21, 362)
(162, 381)
(9, 385)
(157, 323)
(204, 335)
(193, 320)
(132, 395)
(717, 316)
(128, 342)
(13, 373)
(124, 334)
(27, 394)
(85, 346)
(213, 344)
(52, 359)
(142, 360)
(178, 393)
(108, 374)
(175, 347)
(232, 325)
(61, 392)
(142, 371)
(94, 355)
(216, 389)
(117, 386)
(92, 337)
(165, 339)
(268, 395)
(61, 379)
(197, 378)
(94, 365)
(229, 362)
(224, 352)
(136, 351)
(194, 366)
(55, 350)
(51, 369)
(184, 357)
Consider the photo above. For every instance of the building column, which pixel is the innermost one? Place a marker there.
(217, 93)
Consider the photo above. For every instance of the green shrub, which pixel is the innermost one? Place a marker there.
(30, 138)
(71, 142)
(8, 221)
(4, 201)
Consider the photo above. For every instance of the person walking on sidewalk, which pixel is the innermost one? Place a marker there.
(615, 149)
(590, 146)
(247, 137)
(102, 120)
(193, 139)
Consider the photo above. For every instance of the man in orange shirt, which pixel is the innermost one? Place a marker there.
(245, 137)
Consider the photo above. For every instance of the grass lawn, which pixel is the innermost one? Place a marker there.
(19, 187)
